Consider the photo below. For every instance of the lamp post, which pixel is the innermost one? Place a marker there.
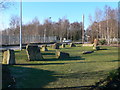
(21, 25)
(45, 35)
(83, 28)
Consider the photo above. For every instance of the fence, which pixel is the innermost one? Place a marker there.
(10, 40)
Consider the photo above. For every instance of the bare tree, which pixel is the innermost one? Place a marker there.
(76, 31)
(98, 18)
(35, 23)
(105, 24)
(112, 23)
(91, 28)
(107, 11)
(14, 21)
(5, 4)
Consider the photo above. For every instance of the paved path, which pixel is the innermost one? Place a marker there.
(10, 47)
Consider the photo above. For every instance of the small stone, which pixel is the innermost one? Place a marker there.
(63, 45)
(62, 55)
(55, 46)
(72, 45)
(87, 52)
(44, 48)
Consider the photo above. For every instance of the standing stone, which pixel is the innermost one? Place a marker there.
(63, 45)
(96, 48)
(95, 45)
(33, 53)
(55, 46)
(95, 42)
(62, 55)
(44, 48)
(72, 45)
(8, 57)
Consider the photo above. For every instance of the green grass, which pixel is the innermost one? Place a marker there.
(78, 70)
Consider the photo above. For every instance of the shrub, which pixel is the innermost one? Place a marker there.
(111, 82)
(102, 42)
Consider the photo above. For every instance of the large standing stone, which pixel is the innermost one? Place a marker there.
(63, 45)
(72, 45)
(33, 53)
(95, 42)
(8, 57)
(44, 48)
(62, 55)
(96, 47)
(55, 46)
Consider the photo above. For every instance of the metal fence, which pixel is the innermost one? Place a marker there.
(10, 40)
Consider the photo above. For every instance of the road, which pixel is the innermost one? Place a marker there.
(10, 47)
(18, 47)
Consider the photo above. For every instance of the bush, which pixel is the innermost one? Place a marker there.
(102, 42)
(111, 82)
(115, 42)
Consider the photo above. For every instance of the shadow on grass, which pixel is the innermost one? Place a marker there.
(7, 79)
(82, 75)
(53, 59)
(103, 49)
(48, 53)
(40, 64)
(100, 61)
(50, 50)
(31, 77)
(65, 59)
(113, 61)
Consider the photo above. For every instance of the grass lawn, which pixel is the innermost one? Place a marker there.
(78, 70)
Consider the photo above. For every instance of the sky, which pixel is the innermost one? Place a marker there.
(73, 11)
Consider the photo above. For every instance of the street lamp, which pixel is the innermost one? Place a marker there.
(83, 28)
(21, 25)
(45, 35)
